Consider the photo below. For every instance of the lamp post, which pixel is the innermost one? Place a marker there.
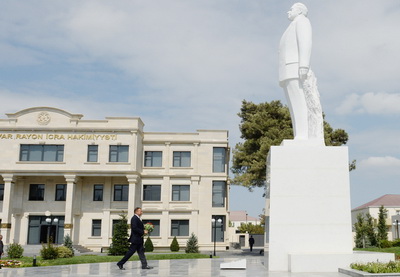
(49, 223)
(215, 232)
(396, 223)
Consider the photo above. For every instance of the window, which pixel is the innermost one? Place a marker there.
(156, 224)
(1, 192)
(61, 192)
(121, 192)
(179, 228)
(93, 152)
(151, 193)
(181, 159)
(96, 227)
(219, 159)
(41, 153)
(180, 193)
(98, 193)
(36, 192)
(119, 153)
(218, 194)
(153, 158)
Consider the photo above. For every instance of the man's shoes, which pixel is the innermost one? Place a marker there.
(147, 267)
(120, 266)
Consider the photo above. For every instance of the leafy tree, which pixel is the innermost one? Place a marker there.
(361, 231)
(251, 228)
(382, 229)
(370, 230)
(174, 245)
(120, 243)
(192, 244)
(262, 126)
(148, 245)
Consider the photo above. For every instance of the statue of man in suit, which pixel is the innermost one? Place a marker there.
(136, 240)
(297, 79)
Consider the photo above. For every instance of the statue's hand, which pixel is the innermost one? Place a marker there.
(303, 73)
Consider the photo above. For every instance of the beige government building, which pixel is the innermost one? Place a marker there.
(60, 174)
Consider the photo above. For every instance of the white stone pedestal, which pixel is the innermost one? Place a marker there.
(308, 203)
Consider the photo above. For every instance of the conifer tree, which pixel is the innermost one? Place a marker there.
(120, 243)
(68, 243)
(148, 245)
(192, 244)
(382, 229)
(262, 126)
(174, 245)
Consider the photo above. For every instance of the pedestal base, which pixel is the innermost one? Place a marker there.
(332, 262)
(309, 207)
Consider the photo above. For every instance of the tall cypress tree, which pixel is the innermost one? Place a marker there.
(382, 229)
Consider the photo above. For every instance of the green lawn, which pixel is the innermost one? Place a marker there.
(86, 259)
(395, 250)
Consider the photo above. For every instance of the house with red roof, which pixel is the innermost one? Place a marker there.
(391, 202)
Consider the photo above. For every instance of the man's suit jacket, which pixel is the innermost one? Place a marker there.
(295, 48)
(137, 230)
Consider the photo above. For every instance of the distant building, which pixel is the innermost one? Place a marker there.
(237, 218)
(391, 202)
(60, 174)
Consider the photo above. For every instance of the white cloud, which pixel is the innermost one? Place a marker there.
(386, 161)
(371, 103)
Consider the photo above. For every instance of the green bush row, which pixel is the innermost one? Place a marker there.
(390, 267)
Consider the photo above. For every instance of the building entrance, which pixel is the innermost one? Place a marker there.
(40, 230)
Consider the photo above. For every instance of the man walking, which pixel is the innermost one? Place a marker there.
(1, 246)
(251, 243)
(136, 240)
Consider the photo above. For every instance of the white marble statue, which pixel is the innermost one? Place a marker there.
(297, 79)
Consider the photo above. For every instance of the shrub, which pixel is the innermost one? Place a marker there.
(68, 243)
(120, 243)
(148, 245)
(192, 244)
(15, 251)
(396, 243)
(174, 245)
(386, 244)
(48, 252)
(64, 252)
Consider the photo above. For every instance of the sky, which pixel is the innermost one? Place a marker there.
(185, 65)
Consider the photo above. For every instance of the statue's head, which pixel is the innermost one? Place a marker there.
(297, 9)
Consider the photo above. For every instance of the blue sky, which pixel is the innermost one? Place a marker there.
(187, 65)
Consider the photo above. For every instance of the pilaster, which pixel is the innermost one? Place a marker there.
(5, 227)
(71, 184)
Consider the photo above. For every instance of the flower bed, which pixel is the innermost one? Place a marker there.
(10, 263)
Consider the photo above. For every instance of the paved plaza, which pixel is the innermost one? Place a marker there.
(177, 268)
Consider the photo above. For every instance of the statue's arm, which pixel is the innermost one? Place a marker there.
(304, 40)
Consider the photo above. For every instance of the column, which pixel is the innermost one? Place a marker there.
(68, 222)
(5, 227)
(132, 203)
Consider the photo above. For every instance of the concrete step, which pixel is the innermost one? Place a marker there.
(81, 249)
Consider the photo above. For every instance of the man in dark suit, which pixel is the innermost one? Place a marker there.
(136, 240)
(1, 246)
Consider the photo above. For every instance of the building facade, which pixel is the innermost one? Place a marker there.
(60, 174)
(391, 202)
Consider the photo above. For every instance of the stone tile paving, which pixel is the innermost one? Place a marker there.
(162, 268)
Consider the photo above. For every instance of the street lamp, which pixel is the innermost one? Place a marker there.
(396, 223)
(49, 222)
(215, 231)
